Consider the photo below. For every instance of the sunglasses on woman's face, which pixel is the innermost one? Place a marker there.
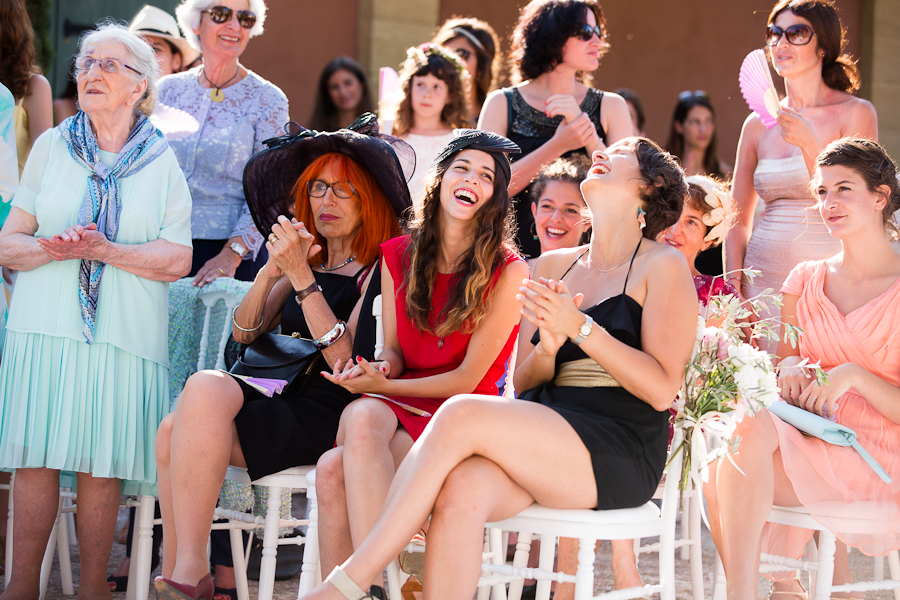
(223, 14)
(587, 32)
(797, 35)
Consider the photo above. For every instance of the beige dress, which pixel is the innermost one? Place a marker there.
(790, 231)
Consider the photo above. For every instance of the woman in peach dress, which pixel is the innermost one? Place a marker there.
(849, 308)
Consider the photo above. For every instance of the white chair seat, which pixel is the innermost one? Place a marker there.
(643, 521)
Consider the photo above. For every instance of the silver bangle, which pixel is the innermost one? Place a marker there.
(331, 337)
(261, 319)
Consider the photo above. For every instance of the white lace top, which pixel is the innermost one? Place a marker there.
(213, 158)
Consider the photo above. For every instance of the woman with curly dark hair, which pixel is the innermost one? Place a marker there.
(477, 44)
(341, 96)
(556, 45)
(20, 73)
(450, 321)
(596, 409)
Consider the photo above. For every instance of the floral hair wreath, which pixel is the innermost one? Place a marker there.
(419, 55)
(722, 205)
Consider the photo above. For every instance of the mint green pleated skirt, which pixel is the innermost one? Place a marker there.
(80, 408)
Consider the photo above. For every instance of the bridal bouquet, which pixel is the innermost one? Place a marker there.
(727, 377)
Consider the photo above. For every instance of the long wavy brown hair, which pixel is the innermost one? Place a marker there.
(16, 47)
(492, 244)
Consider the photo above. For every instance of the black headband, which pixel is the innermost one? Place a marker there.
(477, 139)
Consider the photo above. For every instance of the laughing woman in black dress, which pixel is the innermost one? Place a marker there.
(600, 382)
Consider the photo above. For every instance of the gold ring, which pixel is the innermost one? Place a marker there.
(273, 238)
(220, 271)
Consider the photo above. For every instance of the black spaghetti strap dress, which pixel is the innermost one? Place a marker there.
(626, 437)
(530, 128)
(288, 431)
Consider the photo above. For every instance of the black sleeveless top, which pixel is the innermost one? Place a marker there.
(626, 437)
(530, 128)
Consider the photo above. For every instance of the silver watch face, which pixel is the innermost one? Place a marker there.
(585, 329)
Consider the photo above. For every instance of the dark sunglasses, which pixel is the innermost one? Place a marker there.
(695, 94)
(797, 35)
(463, 53)
(223, 14)
(587, 32)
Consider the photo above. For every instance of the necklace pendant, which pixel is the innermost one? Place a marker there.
(441, 343)
(217, 95)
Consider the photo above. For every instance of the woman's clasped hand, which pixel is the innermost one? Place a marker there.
(549, 305)
(290, 247)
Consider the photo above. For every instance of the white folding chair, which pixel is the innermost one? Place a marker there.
(294, 478)
(690, 540)
(587, 526)
(821, 556)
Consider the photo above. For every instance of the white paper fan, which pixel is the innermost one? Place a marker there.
(174, 122)
(757, 87)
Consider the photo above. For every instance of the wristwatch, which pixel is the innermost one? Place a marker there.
(585, 330)
(239, 249)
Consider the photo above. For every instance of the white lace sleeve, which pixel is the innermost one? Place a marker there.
(271, 123)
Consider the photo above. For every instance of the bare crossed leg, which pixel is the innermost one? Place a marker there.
(481, 458)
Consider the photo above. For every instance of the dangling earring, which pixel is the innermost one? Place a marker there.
(641, 220)
(534, 234)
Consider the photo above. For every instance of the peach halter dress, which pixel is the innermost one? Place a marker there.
(834, 482)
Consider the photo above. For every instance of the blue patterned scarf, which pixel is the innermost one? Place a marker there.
(102, 202)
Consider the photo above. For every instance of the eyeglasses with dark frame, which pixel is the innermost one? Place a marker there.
(223, 14)
(587, 32)
(317, 189)
(797, 35)
(107, 65)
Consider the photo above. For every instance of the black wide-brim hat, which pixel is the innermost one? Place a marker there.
(270, 174)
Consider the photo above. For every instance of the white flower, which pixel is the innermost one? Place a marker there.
(746, 377)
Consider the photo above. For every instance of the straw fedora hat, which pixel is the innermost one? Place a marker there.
(158, 23)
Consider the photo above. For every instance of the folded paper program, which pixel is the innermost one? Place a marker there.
(826, 430)
(269, 387)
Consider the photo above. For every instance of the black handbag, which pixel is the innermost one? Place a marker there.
(275, 356)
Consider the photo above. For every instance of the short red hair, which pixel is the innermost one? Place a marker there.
(379, 222)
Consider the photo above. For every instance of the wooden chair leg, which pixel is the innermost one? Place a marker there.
(547, 554)
(9, 524)
(240, 566)
(894, 566)
(584, 575)
(696, 550)
(270, 545)
(393, 580)
(520, 559)
(47, 563)
(825, 561)
(310, 566)
(63, 551)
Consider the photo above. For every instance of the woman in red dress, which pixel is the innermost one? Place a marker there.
(449, 330)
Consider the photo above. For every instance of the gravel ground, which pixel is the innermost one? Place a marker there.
(861, 566)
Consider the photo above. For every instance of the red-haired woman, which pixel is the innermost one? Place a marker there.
(347, 199)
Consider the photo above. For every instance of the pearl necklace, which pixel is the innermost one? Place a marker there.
(343, 264)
